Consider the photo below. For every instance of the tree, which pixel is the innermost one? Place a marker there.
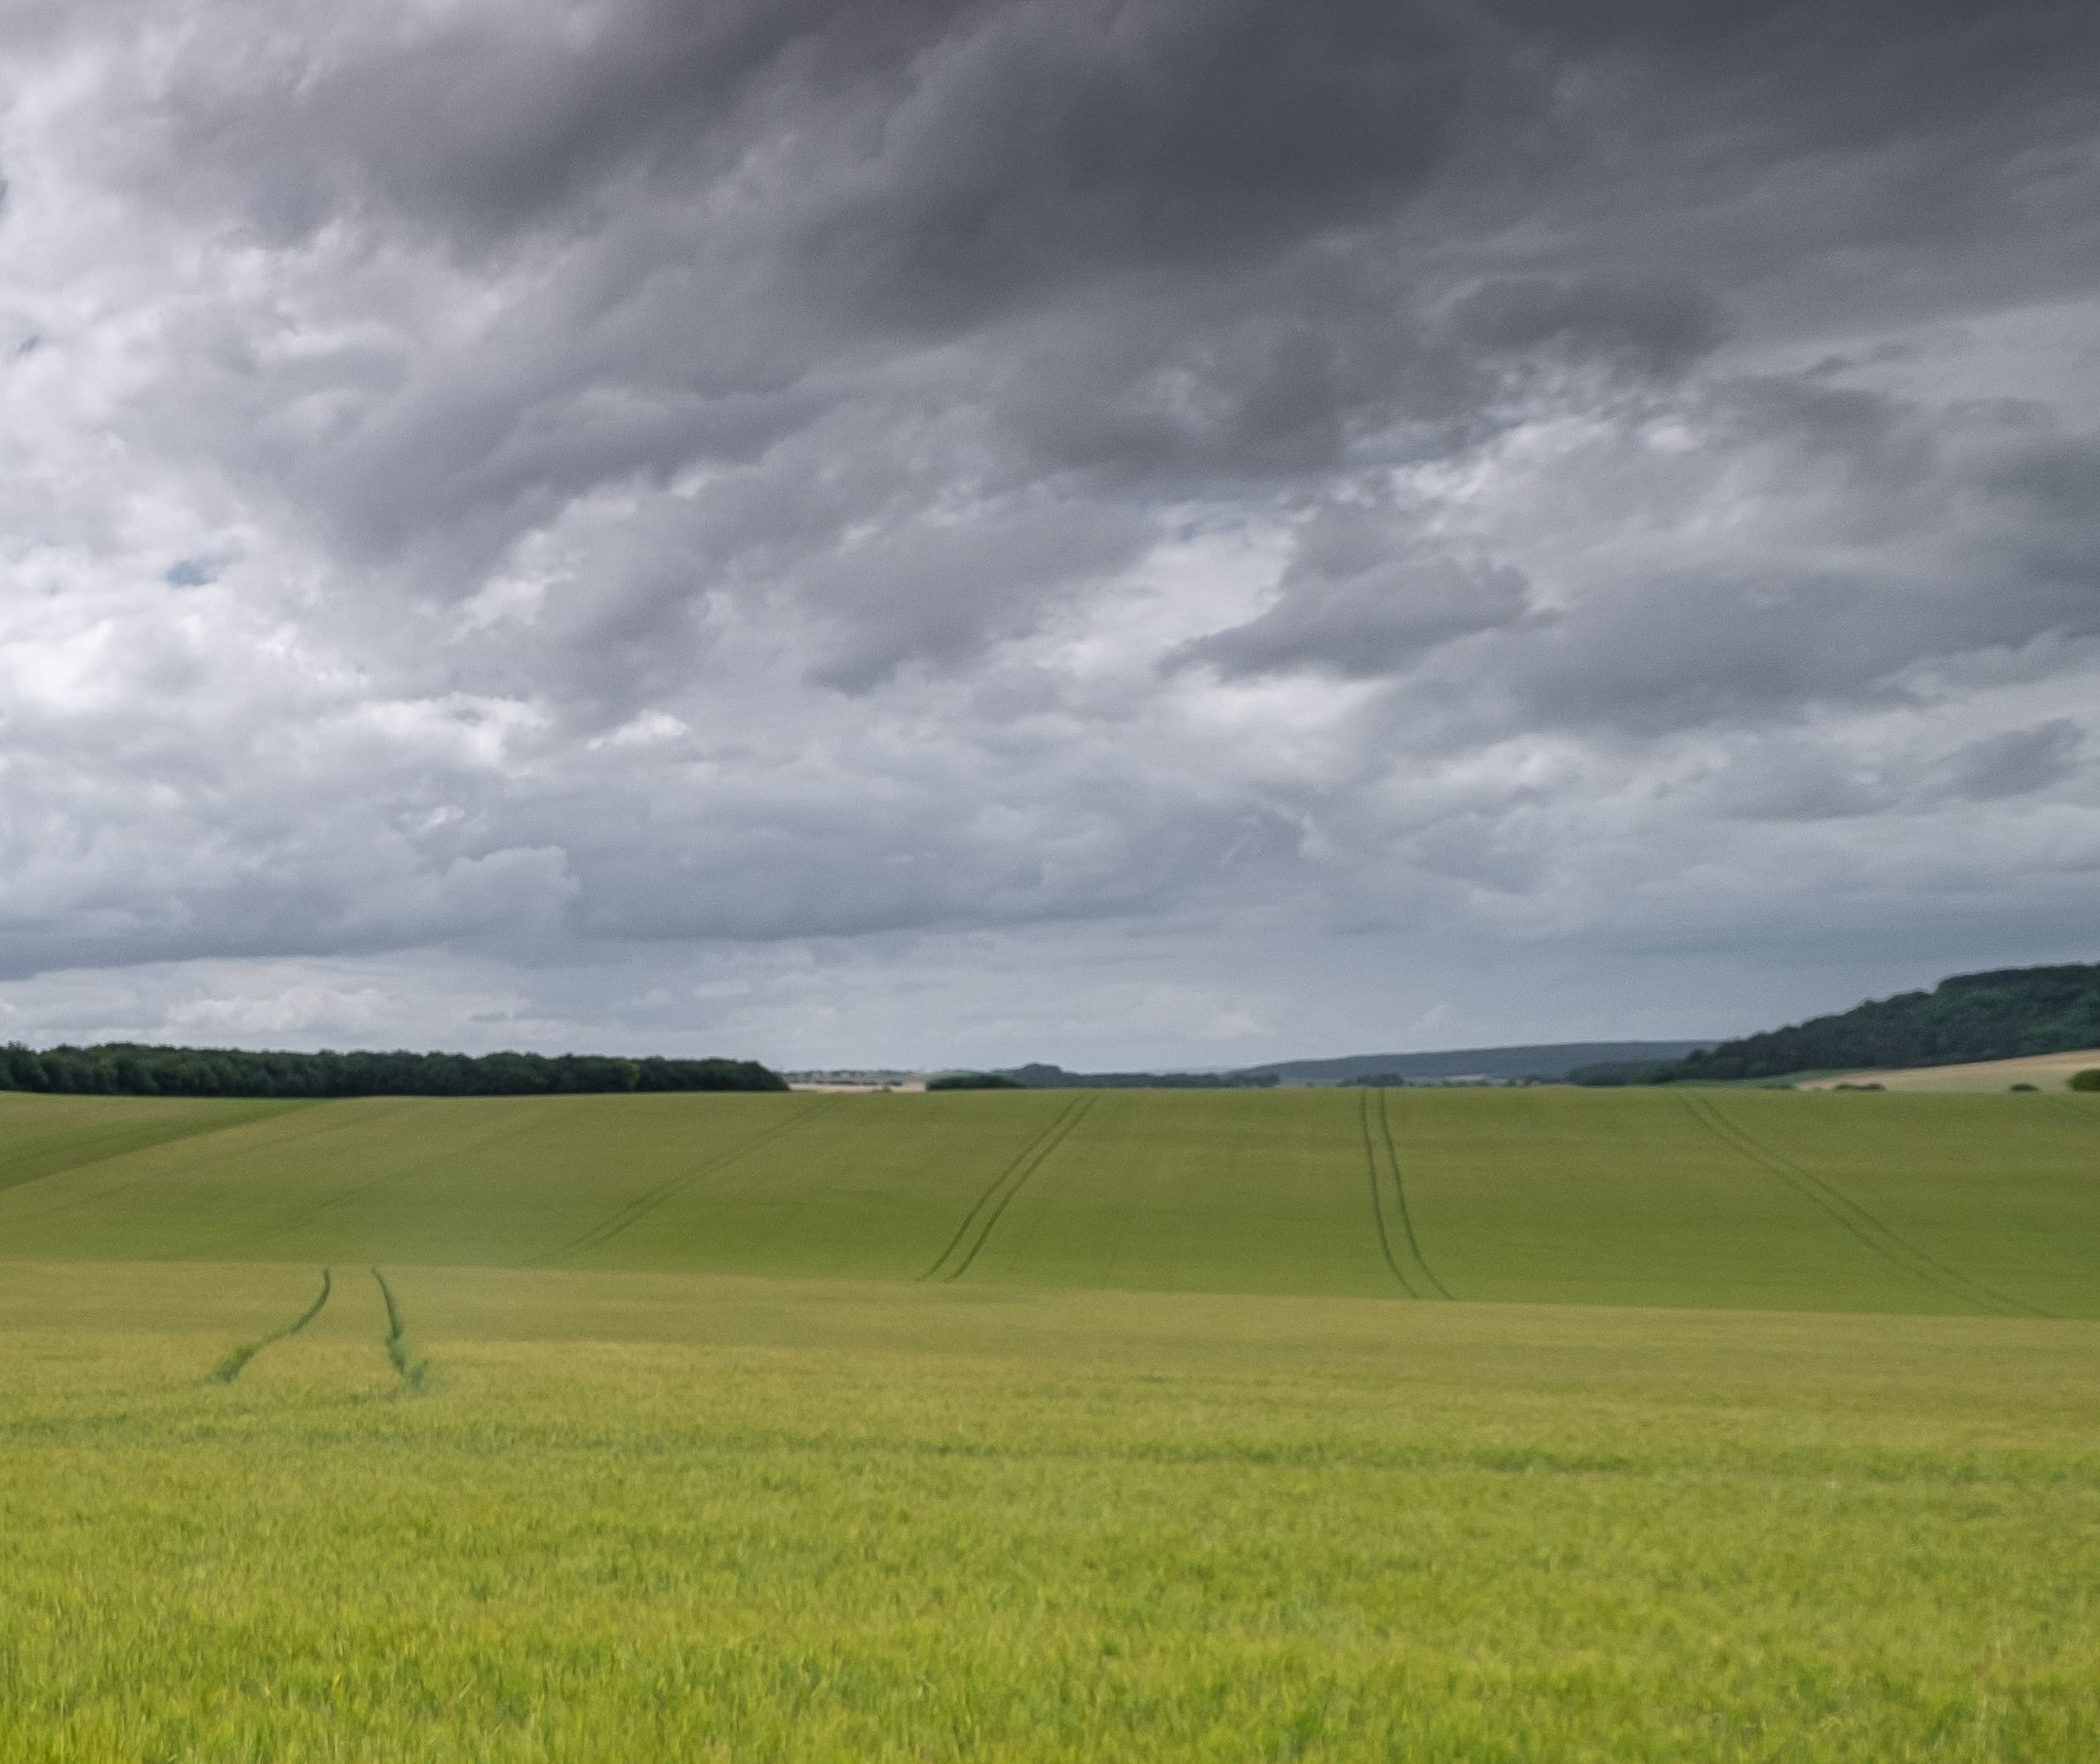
(127, 1069)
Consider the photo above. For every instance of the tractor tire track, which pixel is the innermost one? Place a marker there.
(412, 1367)
(1377, 1193)
(978, 1222)
(236, 1361)
(1854, 1219)
(646, 1203)
(1423, 1283)
(1400, 1201)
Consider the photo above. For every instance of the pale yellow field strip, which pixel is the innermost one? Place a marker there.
(2045, 1071)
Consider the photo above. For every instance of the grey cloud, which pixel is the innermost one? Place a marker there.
(1060, 142)
(499, 118)
(2057, 476)
(1801, 782)
(1866, 540)
(1657, 326)
(938, 596)
(337, 901)
(1800, 778)
(1689, 651)
(1259, 393)
(2015, 762)
(786, 471)
(1363, 597)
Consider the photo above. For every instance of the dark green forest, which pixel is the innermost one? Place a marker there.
(1998, 1016)
(130, 1068)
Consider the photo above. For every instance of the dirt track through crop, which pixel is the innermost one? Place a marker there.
(237, 1362)
(1382, 1163)
(646, 1203)
(977, 1223)
(1855, 1219)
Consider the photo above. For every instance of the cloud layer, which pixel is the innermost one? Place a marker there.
(1141, 532)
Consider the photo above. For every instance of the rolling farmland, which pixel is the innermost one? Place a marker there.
(1983, 1205)
(1044, 1425)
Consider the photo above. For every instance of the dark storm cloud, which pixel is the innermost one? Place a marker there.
(1189, 237)
(481, 123)
(1056, 144)
(532, 476)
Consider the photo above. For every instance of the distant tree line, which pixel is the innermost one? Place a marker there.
(1039, 1076)
(133, 1069)
(2003, 1015)
(1468, 1081)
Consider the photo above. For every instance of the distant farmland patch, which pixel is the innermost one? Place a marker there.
(2043, 1070)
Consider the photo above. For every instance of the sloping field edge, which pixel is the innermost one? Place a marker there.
(203, 1130)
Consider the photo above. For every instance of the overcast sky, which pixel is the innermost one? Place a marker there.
(1125, 532)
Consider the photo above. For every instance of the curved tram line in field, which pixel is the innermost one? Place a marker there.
(1848, 1213)
(1423, 1283)
(978, 1222)
(236, 1361)
(413, 1369)
(646, 1203)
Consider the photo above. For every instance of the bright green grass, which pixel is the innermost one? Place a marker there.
(666, 1516)
(1973, 1204)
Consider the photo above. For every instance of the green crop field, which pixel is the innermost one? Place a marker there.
(1747, 1198)
(1530, 1425)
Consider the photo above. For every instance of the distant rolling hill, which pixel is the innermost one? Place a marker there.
(2006, 1014)
(1547, 1060)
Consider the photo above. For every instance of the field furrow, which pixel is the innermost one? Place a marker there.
(1874, 1233)
(1410, 1244)
(626, 1216)
(1374, 1168)
(970, 1235)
